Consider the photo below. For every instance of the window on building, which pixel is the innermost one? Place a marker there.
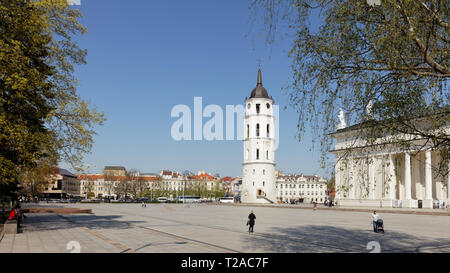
(248, 130)
(268, 128)
(257, 129)
(258, 108)
(264, 183)
(257, 154)
(264, 171)
(253, 171)
(267, 155)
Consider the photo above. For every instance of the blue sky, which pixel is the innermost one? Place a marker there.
(144, 57)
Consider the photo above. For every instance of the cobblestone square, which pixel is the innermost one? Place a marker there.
(205, 228)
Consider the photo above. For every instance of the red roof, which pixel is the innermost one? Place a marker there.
(226, 179)
(203, 176)
(90, 176)
(173, 174)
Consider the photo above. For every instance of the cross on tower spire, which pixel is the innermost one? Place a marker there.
(259, 81)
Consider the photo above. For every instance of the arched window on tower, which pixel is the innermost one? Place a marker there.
(268, 130)
(257, 129)
(257, 154)
(248, 130)
(267, 155)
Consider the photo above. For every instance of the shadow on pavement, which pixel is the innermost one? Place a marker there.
(43, 222)
(335, 239)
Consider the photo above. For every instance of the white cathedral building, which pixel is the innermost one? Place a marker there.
(386, 175)
(258, 178)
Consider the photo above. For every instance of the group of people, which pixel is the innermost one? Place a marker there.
(330, 203)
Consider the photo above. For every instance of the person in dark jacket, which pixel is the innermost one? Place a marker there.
(251, 221)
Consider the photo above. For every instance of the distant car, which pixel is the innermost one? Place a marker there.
(142, 199)
(162, 199)
(226, 200)
(106, 200)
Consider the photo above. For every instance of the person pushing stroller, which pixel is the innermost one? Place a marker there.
(377, 222)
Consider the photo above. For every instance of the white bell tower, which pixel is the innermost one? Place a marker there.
(258, 174)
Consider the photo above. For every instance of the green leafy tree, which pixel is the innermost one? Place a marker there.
(34, 181)
(89, 187)
(123, 188)
(385, 65)
(42, 118)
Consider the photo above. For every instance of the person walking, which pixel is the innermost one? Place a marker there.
(251, 221)
(375, 218)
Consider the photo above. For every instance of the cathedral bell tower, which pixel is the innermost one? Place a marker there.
(258, 174)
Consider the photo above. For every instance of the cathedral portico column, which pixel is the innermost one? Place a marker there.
(428, 202)
(407, 201)
(392, 190)
(372, 178)
(337, 179)
(352, 180)
(448, 185)
(391, 195)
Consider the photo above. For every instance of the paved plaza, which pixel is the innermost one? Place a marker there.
(204, 228)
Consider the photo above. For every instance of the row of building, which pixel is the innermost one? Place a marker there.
(116, 182)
